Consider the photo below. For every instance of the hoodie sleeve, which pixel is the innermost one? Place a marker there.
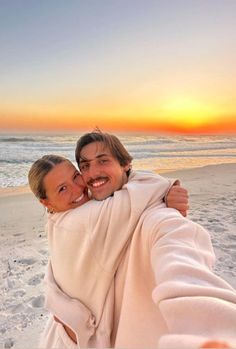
(196, 304)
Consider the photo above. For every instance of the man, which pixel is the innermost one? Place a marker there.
(105, 165)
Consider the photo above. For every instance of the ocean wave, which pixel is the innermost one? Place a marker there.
(144, 142)
(17, 161)
(15, 139)
(176, 155)
(218, 147)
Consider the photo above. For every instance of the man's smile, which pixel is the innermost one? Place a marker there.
(98, 182)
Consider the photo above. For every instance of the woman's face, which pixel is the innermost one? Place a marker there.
(65, 188)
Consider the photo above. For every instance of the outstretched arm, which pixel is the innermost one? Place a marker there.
(188, 294)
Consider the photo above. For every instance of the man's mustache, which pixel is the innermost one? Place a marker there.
(93, 180)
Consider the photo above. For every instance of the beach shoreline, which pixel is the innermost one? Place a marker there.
(25, 189)
(24, 250)
(9, 191)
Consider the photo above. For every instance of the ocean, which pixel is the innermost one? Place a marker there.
(150, 152)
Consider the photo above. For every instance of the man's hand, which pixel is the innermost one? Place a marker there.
(178, 198)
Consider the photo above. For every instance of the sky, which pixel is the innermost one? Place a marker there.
(131, 65)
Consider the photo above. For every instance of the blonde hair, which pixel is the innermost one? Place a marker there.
(39, 170)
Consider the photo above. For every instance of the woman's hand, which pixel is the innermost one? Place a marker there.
(69, 332)
(178, 198)
(215, 344)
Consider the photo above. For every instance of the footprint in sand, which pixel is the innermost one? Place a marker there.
(19, 293)
(38, 302)
(8, 284)
(19, 308)
(43, 252)
(218, 229)
(44, 262)
(36, 279)
(9, 343)
(27, 261)
(203, 211)
(213, 220)
(17, 234)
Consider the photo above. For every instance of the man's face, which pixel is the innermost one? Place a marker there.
(101, 172)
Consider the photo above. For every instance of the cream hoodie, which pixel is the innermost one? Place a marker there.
(137, 274)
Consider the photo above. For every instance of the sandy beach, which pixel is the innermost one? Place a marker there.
(24, 252)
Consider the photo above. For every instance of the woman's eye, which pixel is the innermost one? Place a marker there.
(62, 189)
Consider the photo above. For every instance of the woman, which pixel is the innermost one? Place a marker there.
(112, 260)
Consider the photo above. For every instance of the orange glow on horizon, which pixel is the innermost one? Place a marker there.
(223, 124)
(180, 115)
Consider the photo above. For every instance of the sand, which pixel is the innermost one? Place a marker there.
(24, 255)
(24, 251)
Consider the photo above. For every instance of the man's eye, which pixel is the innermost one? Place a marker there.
(103, 161)
(84, 167)
(77, 174)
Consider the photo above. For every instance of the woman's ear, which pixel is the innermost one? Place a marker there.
(45, 203)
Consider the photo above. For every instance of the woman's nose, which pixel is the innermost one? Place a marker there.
(77, 187)
(80, 181)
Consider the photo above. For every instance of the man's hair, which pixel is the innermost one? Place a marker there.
(110, 141)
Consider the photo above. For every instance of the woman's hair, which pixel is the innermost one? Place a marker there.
(39, 170)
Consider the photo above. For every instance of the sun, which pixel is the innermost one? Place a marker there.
(188, 112)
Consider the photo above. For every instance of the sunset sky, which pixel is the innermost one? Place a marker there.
(160, 65)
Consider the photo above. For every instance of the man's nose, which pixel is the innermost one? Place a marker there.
(94, 170)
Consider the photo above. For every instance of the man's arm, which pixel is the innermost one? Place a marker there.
(188, 294)
(177, 197)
